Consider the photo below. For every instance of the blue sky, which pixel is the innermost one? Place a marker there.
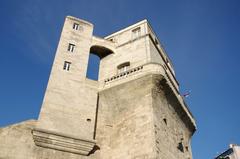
(202, 38)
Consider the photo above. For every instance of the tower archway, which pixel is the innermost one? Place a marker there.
(96, 54)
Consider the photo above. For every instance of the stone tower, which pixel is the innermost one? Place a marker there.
(133, 111)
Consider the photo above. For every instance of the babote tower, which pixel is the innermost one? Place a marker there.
(133, 111)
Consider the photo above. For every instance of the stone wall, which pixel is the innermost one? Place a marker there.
(172, 134)
(16, 142)
(125, 122)
(135, 113)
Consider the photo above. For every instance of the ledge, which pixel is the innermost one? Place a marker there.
(47, 139)
(123, 74)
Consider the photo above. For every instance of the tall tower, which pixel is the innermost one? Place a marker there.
(134, 109)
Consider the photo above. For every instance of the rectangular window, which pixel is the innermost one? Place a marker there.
(75, 26)
(71, 47)
(66, 65)
(136, 33)
(113, 39)
(123, 67)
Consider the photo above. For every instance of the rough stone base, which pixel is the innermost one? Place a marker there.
(16, 142)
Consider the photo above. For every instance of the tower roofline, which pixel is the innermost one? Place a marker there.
(79, 20)
(135, 25)
(127, 28)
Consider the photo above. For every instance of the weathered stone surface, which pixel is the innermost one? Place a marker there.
(16, 142)
(133, 111)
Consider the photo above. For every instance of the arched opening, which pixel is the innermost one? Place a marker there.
(96, 54)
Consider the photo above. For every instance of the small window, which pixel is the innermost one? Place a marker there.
(123, 67)
(71, 47)
(75, 26)
(66, 65)
(136, 33)
(113, 39)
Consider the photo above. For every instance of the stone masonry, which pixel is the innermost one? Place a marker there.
(133, 111)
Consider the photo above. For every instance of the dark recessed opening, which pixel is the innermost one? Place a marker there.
(180, 146)
(165, 120)
(186, 148)
(89, 120)
(123, 65)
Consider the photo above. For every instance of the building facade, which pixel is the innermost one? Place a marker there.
(232, 153)
(133, 111)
